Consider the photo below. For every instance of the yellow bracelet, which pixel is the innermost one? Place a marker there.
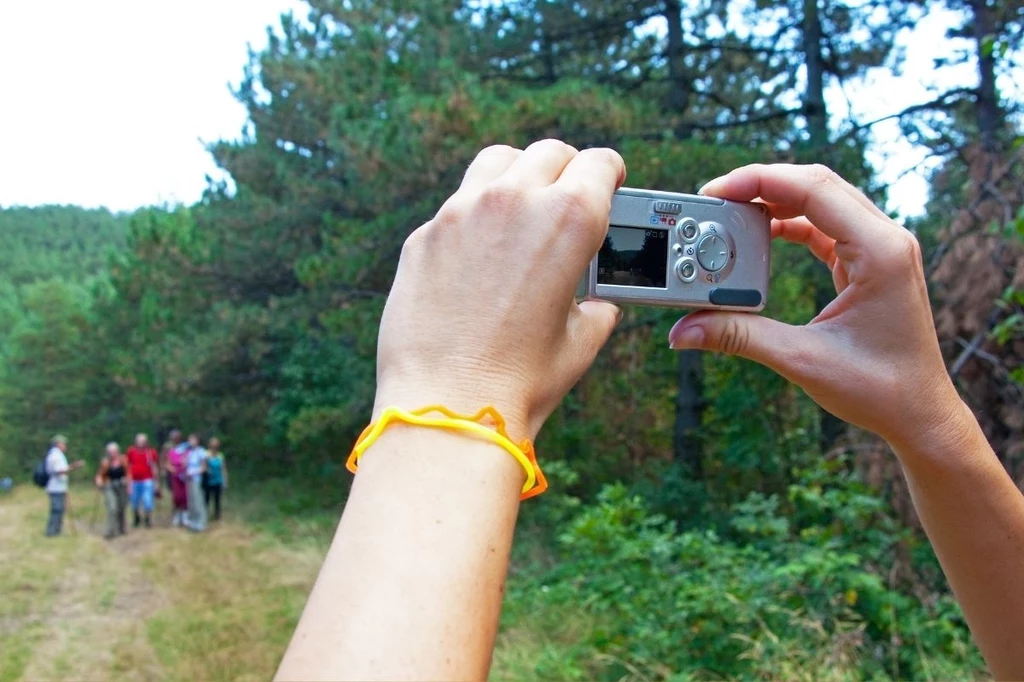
(535, 482)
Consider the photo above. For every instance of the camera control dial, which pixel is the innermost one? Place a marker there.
(712, 253)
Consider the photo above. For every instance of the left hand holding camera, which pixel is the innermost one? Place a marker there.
(872, 353)
(872, 358)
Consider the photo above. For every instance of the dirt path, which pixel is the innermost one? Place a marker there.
(156, 604)
(93, 603)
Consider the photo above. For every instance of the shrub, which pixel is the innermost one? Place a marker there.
(803, 595)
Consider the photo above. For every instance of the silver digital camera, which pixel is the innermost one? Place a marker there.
(682, 251)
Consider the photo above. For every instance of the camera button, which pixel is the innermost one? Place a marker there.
(686, 270)
(745, 298)
(687, 230)
(712, 253)
(670, 207)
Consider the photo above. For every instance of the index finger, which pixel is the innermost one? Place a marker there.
(590, 179)
(598, 167)
(836, 207)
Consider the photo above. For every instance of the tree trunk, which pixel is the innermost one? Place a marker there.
(547, 46)
(816, 113)
(686, 442)
(989, 116)
(814, 96)
(679, 90)
(550, 74)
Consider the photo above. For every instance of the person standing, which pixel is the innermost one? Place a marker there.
(143, 470)
(195, 467)
(217, 476)
(173, 440)
(57, 468)
(114, 478)
(177, 456)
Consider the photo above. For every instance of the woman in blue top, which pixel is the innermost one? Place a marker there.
(217, 473)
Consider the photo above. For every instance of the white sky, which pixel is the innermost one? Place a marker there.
(109, 102)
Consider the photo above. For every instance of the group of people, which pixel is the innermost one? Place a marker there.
(193, 475)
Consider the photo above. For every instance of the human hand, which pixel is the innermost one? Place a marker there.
(871, 357)
(483, 310)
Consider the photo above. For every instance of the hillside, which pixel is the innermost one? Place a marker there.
(57, 241)
(49, 259)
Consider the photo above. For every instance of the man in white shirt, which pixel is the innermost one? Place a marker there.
(57, 468)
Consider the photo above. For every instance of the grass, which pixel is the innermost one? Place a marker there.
(158, 604)
(166, 605)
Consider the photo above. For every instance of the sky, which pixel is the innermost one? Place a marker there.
(111, 102)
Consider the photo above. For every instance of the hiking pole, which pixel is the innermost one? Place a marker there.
(95, 507)
(67, 512)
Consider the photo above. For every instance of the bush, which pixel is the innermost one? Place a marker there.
(805, 595)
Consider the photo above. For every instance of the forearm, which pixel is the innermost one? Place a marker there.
(412, 585)
(973, 514)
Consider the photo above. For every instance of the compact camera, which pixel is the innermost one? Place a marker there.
(682, 251)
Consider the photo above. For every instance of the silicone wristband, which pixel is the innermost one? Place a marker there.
(535, 483)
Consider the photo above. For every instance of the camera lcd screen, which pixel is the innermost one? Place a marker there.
(633, 256)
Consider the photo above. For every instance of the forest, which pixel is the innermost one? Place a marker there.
(705, 520)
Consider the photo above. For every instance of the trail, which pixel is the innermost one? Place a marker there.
(156, 604)
(163, 604)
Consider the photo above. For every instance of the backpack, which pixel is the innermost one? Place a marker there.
(40, 476)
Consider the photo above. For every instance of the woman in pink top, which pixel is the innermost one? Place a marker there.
(176, 458)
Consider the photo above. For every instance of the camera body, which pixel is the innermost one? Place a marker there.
(682, 251)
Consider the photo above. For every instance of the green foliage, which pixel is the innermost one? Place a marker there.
(52, 261)
(65, 242)
(1011, 328)
(53, 375)
(793, 584)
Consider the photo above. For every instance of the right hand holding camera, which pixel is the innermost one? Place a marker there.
(871, 357)
(482, 309)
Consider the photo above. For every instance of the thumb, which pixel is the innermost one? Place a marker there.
(776, 345)
(591, 327)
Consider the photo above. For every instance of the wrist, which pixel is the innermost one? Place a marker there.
(948, 430)
(439, 460)
(464, 399)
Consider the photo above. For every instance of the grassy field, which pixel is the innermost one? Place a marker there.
(160, 604)
(163, 604)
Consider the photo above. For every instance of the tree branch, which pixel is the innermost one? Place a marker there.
(943, 101)
(749, 120)
(972, 209)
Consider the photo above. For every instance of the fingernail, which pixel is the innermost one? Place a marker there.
(687, 337)
(618, 315)
(712, 183)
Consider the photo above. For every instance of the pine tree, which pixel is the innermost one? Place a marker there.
(978, 206)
